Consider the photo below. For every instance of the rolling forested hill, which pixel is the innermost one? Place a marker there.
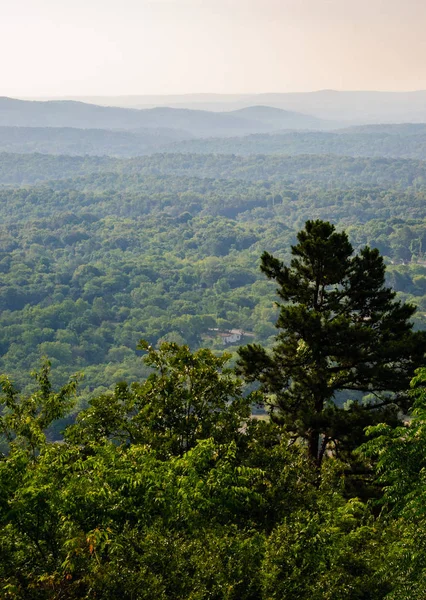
(80, 142)
(390, 141)
(387, 141)
(24, 169)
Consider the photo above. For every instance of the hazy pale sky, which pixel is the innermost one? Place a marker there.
(115, 47)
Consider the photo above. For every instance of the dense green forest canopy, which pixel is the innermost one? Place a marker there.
(343, 170)
(167, 487)
(96, 253)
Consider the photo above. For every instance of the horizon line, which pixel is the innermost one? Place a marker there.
(204, 94)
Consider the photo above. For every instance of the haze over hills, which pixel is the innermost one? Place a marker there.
(390, 141)
(356, 106)
(78, 129)
(93, 142)
(277, 118)
(22, 113)
(404, 129)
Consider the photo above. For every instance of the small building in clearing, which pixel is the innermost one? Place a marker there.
(230, 336)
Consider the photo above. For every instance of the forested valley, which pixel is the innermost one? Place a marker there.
(171, 428)
(99, 253)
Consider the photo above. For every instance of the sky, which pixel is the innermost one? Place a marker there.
(125, 47)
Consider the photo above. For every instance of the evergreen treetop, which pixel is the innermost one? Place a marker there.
(340, 329)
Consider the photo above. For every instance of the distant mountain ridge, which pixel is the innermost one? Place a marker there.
(67, 113)
(356, 106)
(79, 129)
(281, 119)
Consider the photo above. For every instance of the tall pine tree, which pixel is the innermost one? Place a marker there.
(341, 329)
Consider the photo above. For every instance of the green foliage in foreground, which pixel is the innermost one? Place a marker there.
(237, 515)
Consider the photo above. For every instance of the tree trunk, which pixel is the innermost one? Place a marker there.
(313, 446)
